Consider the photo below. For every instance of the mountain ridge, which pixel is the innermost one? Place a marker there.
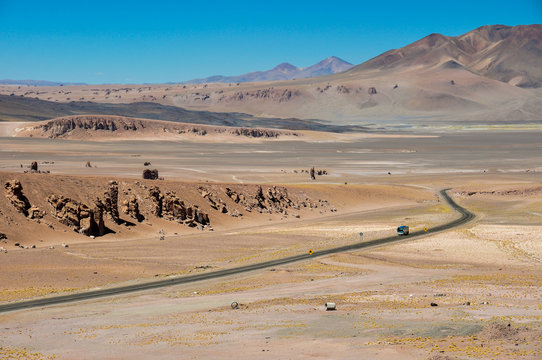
(284, 71)
(510, 54)
(30, 82)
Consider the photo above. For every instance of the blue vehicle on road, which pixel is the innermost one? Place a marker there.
(403, 230)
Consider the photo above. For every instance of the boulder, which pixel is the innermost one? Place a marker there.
(150, 174)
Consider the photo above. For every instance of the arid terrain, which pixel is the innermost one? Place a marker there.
(483, 276)
(113, 185)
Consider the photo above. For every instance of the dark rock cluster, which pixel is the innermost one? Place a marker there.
(150, 174)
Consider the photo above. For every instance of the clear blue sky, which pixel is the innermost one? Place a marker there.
(159, 41)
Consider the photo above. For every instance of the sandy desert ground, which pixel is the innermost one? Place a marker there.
(483, 278)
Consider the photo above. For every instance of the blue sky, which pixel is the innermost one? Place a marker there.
(161, 41)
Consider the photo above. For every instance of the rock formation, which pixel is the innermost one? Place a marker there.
(14, 193)
(215, 202)
(235, 196)
(79, 216)
(150, 174)
(131, 208)
(157, 199)
(273, 200)
(169, 206)
(111, 199)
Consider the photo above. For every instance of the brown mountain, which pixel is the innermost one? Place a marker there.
(509, 54)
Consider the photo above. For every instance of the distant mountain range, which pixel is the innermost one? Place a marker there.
(36, 83)
(285, 71)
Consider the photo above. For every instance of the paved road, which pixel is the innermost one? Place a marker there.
(466, 216)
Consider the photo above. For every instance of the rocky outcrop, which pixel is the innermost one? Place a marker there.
(275, 199)
(14, 194)
(63, 126)
(131, 208)
(150, 174)
(157, 199)
(276, 95)
(213, 199)
(111, 199)
(169, 206)
(33, 168)
(257, 133)
(235, 196)
(94, 225)
(513, 192)
(78, 216)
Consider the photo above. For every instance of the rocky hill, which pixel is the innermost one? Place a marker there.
(509, 54)
(97, 127)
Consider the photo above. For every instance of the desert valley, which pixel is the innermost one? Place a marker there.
(112, 186)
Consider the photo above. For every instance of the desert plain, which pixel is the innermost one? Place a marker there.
(470, 292)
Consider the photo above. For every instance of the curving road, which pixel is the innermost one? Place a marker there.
(466, 216)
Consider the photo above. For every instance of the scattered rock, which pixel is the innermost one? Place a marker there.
(147, 163)
(213, 199)
(3, 236)
(372, 91)
(434, 304)
(88, 164)
(34, 166)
